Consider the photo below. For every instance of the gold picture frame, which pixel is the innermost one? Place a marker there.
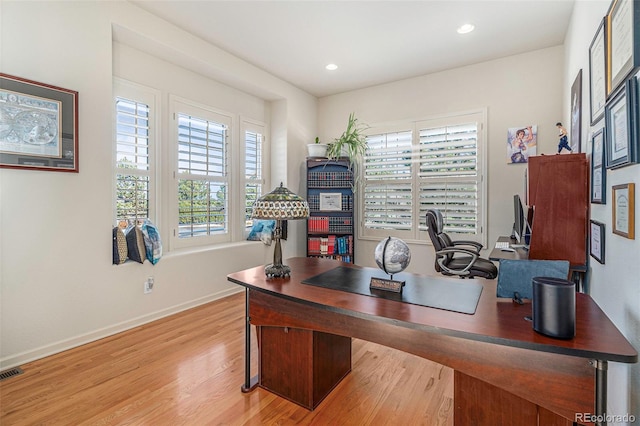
(623, 42)
(623, 213)
(598, 73)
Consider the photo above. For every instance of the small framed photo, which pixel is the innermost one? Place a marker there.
(623, 213)
(622, 126)
(598, 73)
(38, 126)
(598, 171)
(331, 201)
(596, 241)
(623, 42)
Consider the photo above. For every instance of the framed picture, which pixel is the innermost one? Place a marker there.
(522, 143)
(623, 42)
(598, 171)
(624, 210)
(596, 241)
(331, 201)
(598, 73)
(576, 113)
(622, 125)
(38, 126)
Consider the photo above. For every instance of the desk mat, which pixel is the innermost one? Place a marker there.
(449, 294)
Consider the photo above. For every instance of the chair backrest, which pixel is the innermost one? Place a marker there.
(435, 223)
(440, 240)
(517, 275)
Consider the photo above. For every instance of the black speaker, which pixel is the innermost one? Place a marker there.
(554, 307)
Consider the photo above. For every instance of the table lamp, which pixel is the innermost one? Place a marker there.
(280, 204)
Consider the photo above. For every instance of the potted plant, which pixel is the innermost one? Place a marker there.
(317, 149)
(352, 143)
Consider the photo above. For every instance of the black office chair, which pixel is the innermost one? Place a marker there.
(457, 258)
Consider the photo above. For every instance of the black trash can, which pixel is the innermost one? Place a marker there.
(554, 307)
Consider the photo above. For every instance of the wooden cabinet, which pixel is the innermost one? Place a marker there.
(330, 227)
(302, 366)
(558, 191)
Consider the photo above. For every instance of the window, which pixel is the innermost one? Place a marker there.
(203, 185)
(211, 179)
(254, 181)
(435, 163)
(134, 153)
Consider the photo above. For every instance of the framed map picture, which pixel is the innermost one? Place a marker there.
(38, 126)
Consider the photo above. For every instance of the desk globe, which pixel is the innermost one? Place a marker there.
(392, 255)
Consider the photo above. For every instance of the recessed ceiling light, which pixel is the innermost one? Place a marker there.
(332, 67)
(466, 28)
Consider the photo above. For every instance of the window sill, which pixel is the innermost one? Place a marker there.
(197, 250)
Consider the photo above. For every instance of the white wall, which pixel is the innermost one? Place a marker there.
(517, 91)
(58, 288)
(615, 285)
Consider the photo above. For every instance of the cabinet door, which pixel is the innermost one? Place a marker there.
(558, 191)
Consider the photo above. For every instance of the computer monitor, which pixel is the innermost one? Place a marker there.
(518, 220)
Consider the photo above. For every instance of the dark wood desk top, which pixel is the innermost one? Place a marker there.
(500, 254)
(497, 321)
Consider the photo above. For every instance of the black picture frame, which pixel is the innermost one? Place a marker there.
(597, 240)
(576, 114)
(623, 42)
(40, 126)
(598, 169)
(621, 117)
(598, 73)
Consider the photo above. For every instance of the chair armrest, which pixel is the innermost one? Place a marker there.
(475, 244)
(440, 254)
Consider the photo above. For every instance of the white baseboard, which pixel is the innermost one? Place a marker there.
(63, 345)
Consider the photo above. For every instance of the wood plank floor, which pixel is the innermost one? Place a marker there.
(187, 369)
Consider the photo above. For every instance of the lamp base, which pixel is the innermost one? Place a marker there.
(274, 270)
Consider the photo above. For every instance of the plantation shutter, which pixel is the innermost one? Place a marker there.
(254, 178)
(133, 171)
(388, 203)
(448, 175)
(203, 177)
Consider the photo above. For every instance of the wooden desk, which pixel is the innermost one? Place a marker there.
(496, 347)
(499, 254)
(576, 272)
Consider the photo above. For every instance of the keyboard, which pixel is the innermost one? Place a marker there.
(502, 244)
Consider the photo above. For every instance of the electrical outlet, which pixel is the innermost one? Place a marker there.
(148, 285)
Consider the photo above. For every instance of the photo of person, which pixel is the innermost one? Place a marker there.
(521, 143)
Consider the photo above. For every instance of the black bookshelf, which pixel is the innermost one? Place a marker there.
(331, 223)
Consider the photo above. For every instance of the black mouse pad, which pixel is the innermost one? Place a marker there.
(442, 293)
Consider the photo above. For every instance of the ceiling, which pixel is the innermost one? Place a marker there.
(372, 42)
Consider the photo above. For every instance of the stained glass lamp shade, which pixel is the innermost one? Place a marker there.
(280, 204)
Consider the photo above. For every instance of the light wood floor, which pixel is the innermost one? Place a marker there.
(187, 369)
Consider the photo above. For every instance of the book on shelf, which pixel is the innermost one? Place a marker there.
(330, 245)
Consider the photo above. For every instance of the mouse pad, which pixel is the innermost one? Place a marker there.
(441, 293)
